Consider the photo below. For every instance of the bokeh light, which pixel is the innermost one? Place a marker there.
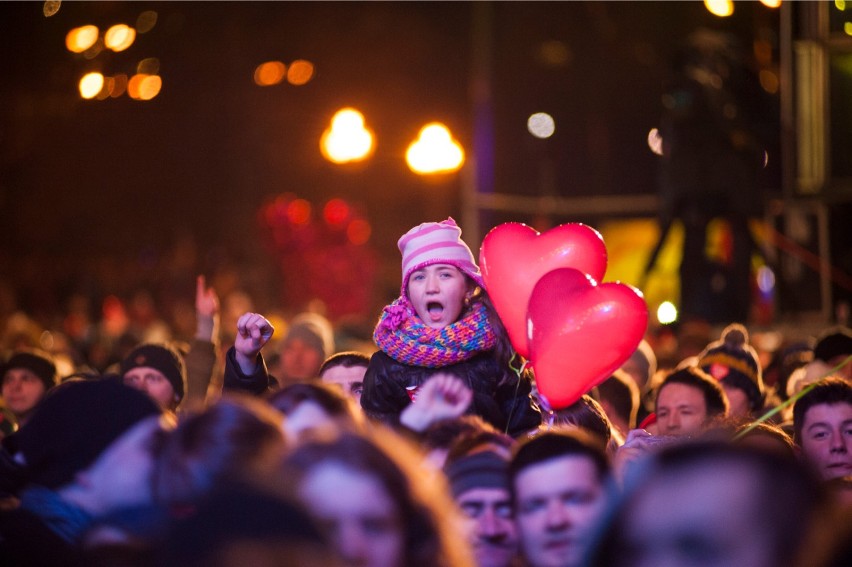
(51, 7)
(91, 84)
(144, 87)
(299, 211)
(655, 141)
(148, 66)
(146, 21)
(721, 8)
(765, 279)
(119, 37)
(269, 73)
(541, 125)
(336, 212)
(434, 151)
(666, 313)
(80, 39)
(769, 81)
(358, 232)
(347, 139)
(119, 86)
(771, 3)
(300, 72)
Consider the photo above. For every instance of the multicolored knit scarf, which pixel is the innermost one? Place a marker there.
(403, 336)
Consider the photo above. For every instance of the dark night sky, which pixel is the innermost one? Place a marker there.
(80, 177)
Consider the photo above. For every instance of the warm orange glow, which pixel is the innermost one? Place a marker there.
(655, 141)
(269, 73)
(721, 8)
(347, 139)
(51, 7)
(146, 21)
(771, 3)
(144, 87)
(119, 85)
(358, 232)
(109, 85)
(434, 151)
(300, 72)
(769, 81)
(91, 84)
(299, 211)
(80, 39)
(119, 37)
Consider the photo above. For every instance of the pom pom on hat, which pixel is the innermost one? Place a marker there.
(436, 243)
(733, 360)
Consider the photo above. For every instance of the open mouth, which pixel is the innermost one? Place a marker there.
(435, 309)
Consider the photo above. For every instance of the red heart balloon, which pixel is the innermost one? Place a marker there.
(580, 332)
(513, 257)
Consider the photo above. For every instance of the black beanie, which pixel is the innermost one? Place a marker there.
(37, 362)
(160, 357)
(485, 469)
(74, 423)
(735, 362)
(833, 343)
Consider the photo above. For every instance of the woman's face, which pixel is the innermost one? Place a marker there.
(358, 514)
(437, 293)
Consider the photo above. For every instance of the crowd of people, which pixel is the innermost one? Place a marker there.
(253, 446)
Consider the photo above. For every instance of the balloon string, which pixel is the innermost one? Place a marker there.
(518, 372)
(792, 400)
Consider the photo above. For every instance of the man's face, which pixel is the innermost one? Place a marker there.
(827, 439)
(491, 525)
(22, 391)
(681, 410)
(670, 522)
(154, 383)
(557, 504)
(299, 360)
(349, 378)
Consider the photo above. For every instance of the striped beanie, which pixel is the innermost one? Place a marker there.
(733, 360)
(436, 243)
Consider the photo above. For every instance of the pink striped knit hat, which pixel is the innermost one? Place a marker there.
(436, 243)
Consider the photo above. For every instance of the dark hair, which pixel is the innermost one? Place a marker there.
(346, 359)
(422, 504)
(330, 399)
(587, 414)
(555, 444)
(444, 433)
(621, 391)
(787, 496)
(828, 391)
(468, 442)
(714, 397)
(224, 442)
(765, 429)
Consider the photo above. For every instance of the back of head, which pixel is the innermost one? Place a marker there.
(733, 360)
(346, 359)
(588, 415)
(833, 344)
(235, 437)
(622, 394)
(240, 525)
(75, 422)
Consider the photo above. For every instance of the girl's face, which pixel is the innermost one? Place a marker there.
(357, 513)
(437, 293)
